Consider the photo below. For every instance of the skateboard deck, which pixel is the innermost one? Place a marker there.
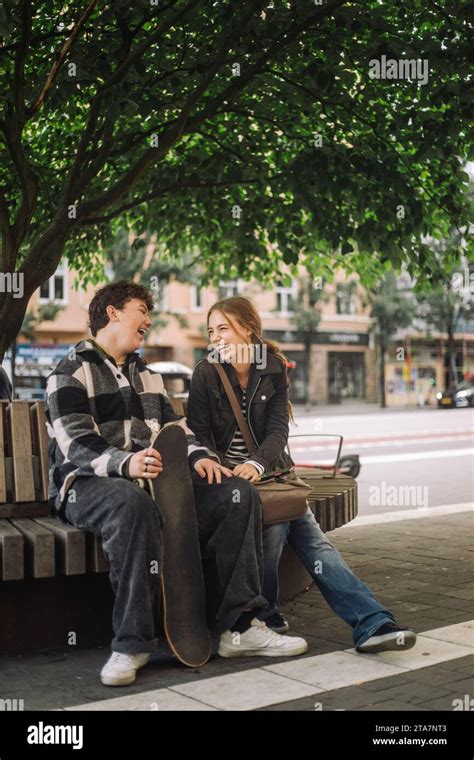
(182, 582)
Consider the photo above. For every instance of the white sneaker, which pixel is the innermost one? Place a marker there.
(121, 669)
(259, 640)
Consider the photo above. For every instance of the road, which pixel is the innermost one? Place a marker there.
(410, 458)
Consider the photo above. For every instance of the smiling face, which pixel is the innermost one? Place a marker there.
(227, 336)
(128, 325)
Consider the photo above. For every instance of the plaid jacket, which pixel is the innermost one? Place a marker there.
(98, 416)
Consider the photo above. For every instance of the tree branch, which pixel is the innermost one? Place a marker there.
(222, 145)
(5, 49)
(287, 37)
(5, 225)
(173, 134)
(61, 57)
(162, 191)
(152, 38)
(12, 128)
(20, 57)
(69, 192)
(266, 119)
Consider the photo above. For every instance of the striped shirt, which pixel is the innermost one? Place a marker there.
(238, 453)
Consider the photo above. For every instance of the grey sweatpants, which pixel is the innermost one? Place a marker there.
(127, 519)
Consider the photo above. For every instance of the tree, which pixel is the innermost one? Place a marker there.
(392, 309)
(307, 318)
(258, 132)
(444, 309)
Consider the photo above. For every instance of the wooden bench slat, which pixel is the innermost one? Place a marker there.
(39, 547)
(333, 498)
(41, 440)
(29, 509)
(12, 552)
(3, 479)
(70, 545)
(20, 436)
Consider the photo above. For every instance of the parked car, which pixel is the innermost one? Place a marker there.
(176, 377)
(459, 396)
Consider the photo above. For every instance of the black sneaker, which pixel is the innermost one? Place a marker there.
(389, 637)
(277, 623)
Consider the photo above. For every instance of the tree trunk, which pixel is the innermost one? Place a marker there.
(382, 375)
(40, 264)
(12, 312)
(307, 359)
(453, 370)
(13, 367)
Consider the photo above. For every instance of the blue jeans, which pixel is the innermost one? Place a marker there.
(347, 596)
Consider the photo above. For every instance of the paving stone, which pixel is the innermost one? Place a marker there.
(426, 652)
(334, 670)
(158, 700)
(441, 703)
(392, 705)
(342, 699)
(463, 665)
(414, 692)
(436, 676)
(449, 615)
(448, 602)
(462, 633)
(465, 686)
(381, 684)
(246, 691)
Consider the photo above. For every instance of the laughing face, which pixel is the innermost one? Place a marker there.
(229, 339)
(132, 323)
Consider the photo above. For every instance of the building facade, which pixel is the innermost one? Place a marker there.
(343, 358)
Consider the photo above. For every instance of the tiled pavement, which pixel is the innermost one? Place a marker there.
(422, 569)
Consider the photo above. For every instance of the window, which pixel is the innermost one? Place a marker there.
(286, 297)
(229, 289)
(54, 290)
(162, 299)
(346, 298)
(197, 298)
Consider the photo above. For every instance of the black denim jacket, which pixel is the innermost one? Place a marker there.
(212, 420)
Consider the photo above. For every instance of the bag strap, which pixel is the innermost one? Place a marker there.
(241, 422)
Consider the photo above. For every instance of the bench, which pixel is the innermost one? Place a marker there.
(54, 587)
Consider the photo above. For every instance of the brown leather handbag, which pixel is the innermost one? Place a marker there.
(284, 496)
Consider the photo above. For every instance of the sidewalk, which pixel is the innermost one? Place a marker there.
(421, 569)
(354, 408)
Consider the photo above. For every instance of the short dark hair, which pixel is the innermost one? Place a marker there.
(115, 294)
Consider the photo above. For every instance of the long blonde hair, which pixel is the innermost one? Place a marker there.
(247, 317)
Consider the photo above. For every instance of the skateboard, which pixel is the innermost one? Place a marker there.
(182, 582)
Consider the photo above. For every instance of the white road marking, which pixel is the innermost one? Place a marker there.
(410, 457)
(410, 513)
(405, 457)
(308, 448)
(277, 683)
